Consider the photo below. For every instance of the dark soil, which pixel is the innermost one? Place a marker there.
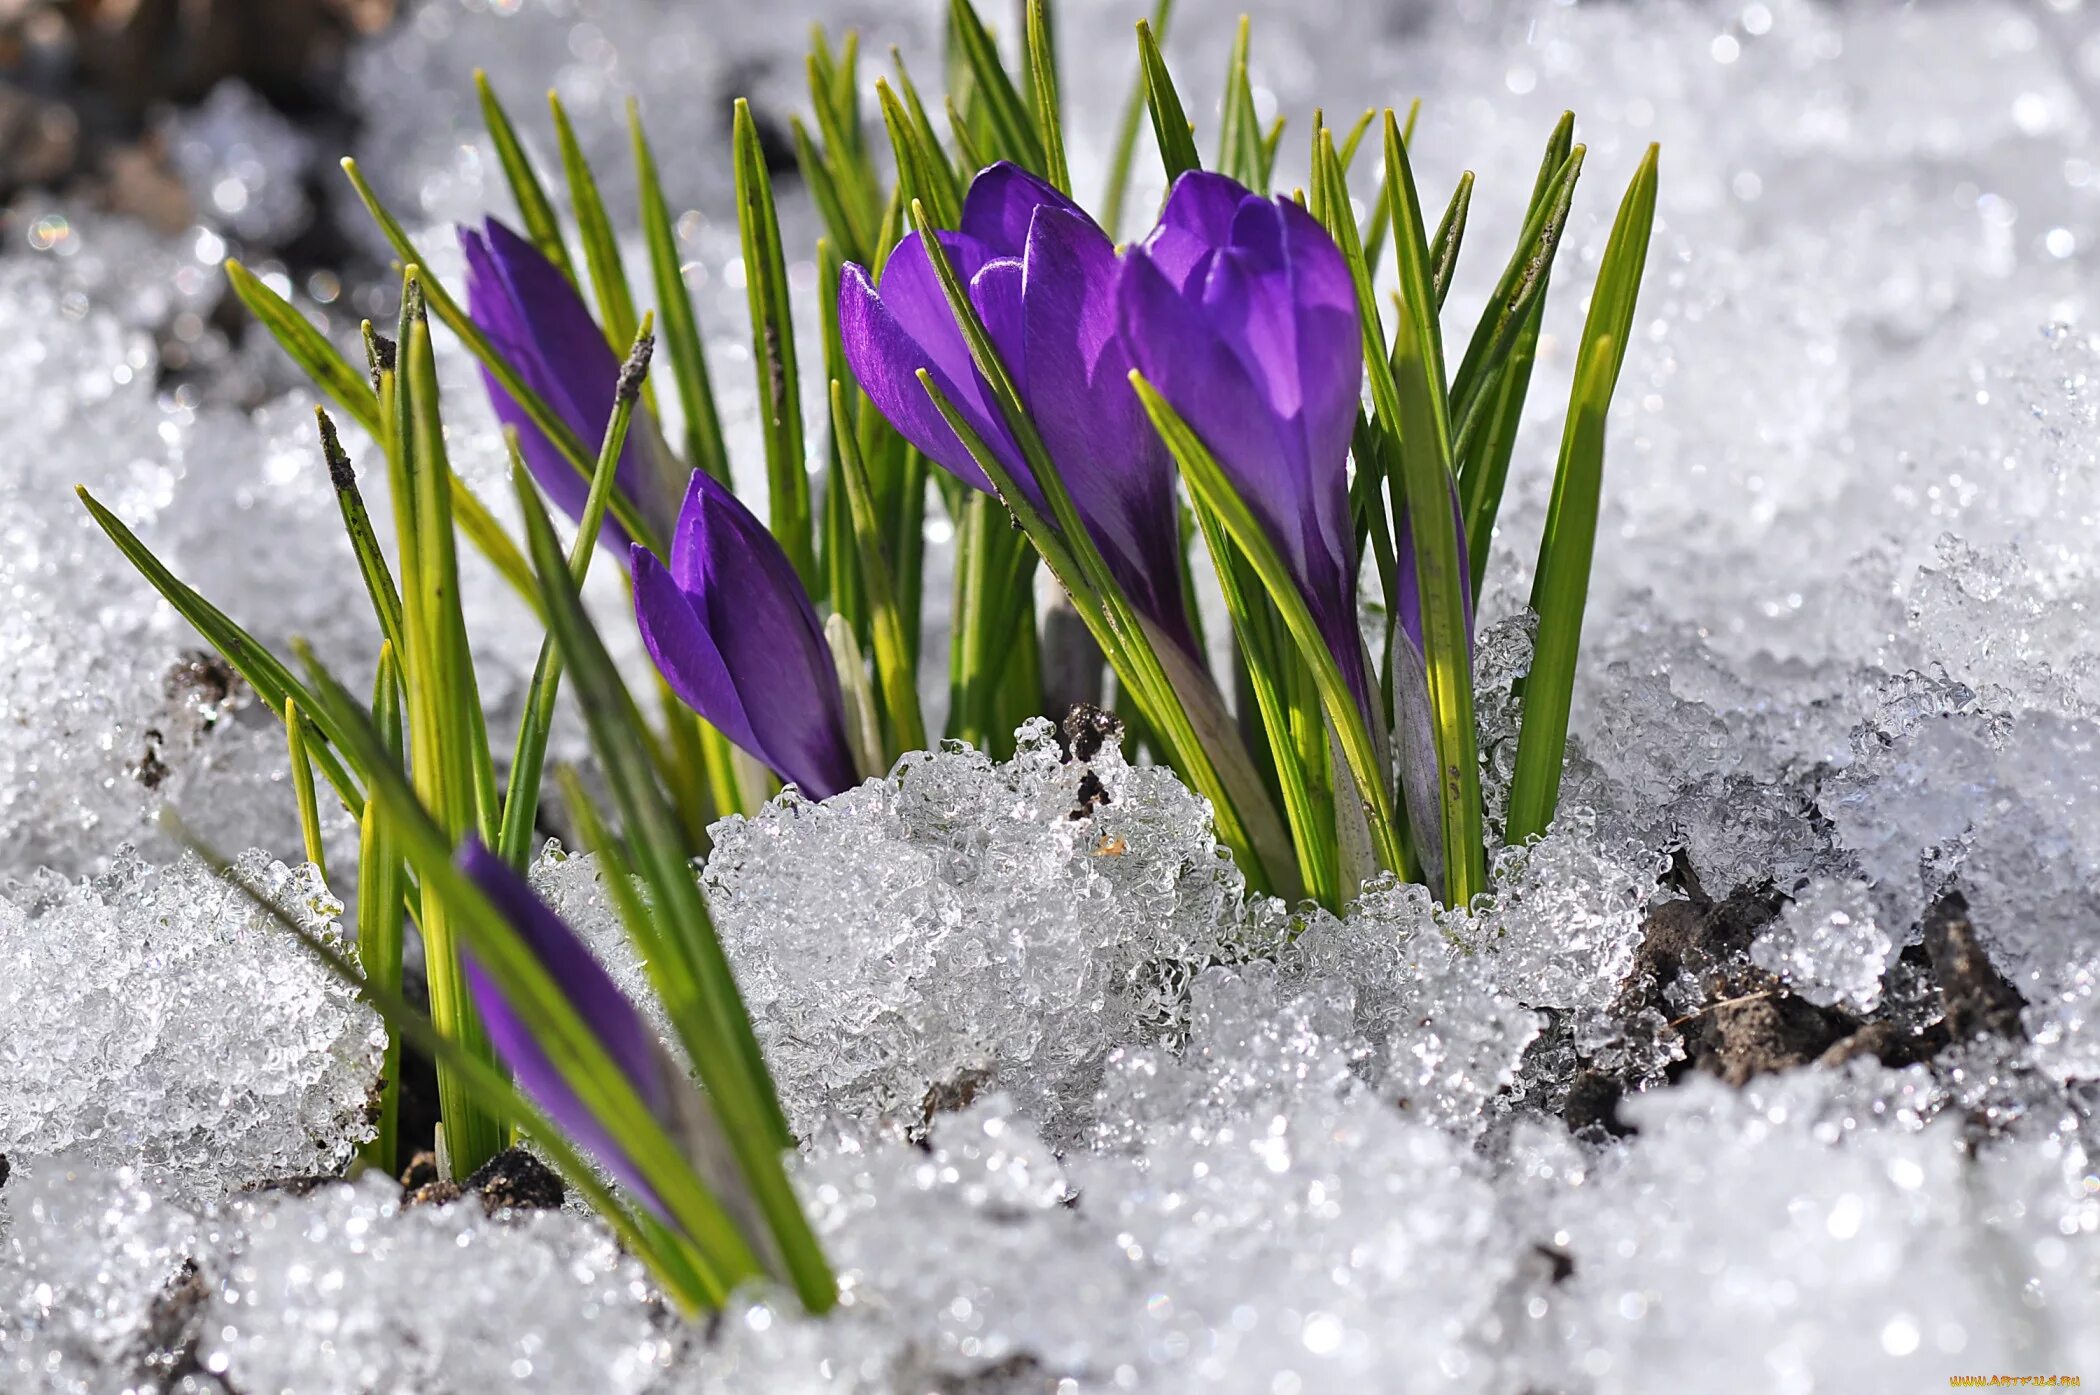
(1750, 1025)
(515, 1180)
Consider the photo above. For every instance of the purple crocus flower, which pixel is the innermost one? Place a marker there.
(535, 318)
(1242, 312)
(733, 632)
(604, 1009)
(1041, 274)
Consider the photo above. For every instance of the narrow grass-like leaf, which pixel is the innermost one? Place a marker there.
(824, 191)
(448, 741)
(1208, 482)
(1381, 215)
(1124, 150)
(1269, 684)
(1041, 51)
(1522, 285)
(1450, 233)
(929, 137)
(364, 542)
(306, 346)
(1170, 122)
(923, 175)
(564, 438)
(521, 800)
(534, 207)
(601, 249)
(893, 660)
(380, 918)
(1004, 107)
(1422, 496)
(697, 986)
(969, 152)
(1239, 153)
(704, 447)
(1561, 586)
(773, 351)
(251, 659)
(295, 731)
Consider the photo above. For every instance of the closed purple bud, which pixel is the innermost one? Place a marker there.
(733, 633)
(598, 1001)
(1242, 312)
(1041, 274)
(536, 320)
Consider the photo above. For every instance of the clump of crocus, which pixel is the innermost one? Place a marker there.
(1041, 273)
(734, 634)
(534, 317)
(1241, 311)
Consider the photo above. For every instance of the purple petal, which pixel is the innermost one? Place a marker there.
(1001, 205)
(1118, 470)
(734, 633)
(1197, 218)
(676, 636)
(892, 331)
(598, 1001)
(535, 318)
(1263, 363)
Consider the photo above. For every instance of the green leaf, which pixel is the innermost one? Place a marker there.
(1273, 680)
(773, 351)
(601, 249)
(1381, 217)
(923, 175)
(1422, 495)
(1561, 587)
(1443, 248)
(1239, 153)
(357, 522)
(1214, 491)
(521, 800)
(1042, 71)
(704, 447)
(1520, 291)
(894, 669)
(296, 730)
(1170, 122)
(1004, 107)
(380, 920)
(690, 970)
(534, 207)
(454, 777)
(320, 360)
(1125, 147)
(251, 659)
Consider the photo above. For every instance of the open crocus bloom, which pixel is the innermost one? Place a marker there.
(1241, 311)
(536, 320)
(1041, 275)
(734, 633)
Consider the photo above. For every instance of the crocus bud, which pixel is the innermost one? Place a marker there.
(734, 634)
(1241, 312)
(605, 1010)
(536, 320)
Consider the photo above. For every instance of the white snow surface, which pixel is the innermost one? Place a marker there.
(1077, 1115)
